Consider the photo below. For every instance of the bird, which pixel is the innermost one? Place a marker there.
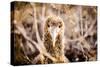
(53, 39)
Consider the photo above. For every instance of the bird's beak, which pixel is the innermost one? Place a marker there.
(54, 32)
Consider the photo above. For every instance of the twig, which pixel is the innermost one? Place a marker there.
(90, 28)
(36, 59)
(22, 31)
(36, 24)
(40, 43)
(81, 21)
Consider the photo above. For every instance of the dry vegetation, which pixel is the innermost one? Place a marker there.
(80, 34)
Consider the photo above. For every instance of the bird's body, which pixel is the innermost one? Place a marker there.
(53, 39)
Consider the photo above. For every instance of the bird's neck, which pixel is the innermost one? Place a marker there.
(57, 50)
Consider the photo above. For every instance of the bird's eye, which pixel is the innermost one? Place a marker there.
(59, 26)
(48, 25)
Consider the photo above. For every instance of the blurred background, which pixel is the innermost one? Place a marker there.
(80, 33)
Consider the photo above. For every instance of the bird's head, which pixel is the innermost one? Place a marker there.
(54, 26)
